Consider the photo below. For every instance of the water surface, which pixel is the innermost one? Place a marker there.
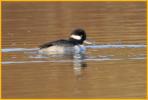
(114, 67)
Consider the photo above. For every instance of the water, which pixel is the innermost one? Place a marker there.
(114, 67)
(30, 53)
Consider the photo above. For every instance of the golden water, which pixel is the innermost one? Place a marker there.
(104, 73)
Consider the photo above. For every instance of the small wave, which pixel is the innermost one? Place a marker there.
(20, 62)
(73, 60)
(115, 46)
(18, 49)
(60, 61)
(88, 46)
(138, 58)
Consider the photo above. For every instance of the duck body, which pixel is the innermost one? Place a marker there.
(70, 46)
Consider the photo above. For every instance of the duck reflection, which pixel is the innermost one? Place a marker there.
(79, 64)
(77, 60)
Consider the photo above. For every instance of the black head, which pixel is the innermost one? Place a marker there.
(78, 36)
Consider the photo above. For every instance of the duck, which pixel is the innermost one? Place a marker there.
(73, 45)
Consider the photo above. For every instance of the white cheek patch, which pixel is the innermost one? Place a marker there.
(76, 37)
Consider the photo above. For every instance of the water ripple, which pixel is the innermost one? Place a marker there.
(88, 46)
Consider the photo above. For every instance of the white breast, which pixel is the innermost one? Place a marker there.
(52, 50)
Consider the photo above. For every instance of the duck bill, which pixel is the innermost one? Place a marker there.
(87, 42)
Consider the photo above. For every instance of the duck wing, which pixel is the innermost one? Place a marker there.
(58, 42)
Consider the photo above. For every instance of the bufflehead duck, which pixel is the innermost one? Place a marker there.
(70, 46)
